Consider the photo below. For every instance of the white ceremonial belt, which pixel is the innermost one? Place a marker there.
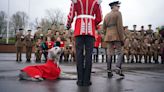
(86, 16)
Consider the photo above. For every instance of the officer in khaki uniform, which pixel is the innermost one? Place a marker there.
(140, 37)
(19, 44)
(150, 49)
(142, 31)
(146, 49)
(127, 33)
(50, 35)
(57, 34)
(38, 49)
(149, 31)
(127, 46)
(140, 50)
(134, 30)
(114, 37)
(38, 34)
(136, 47)
(127, 43)
(134, 50)
(29, 45)
(156, 50)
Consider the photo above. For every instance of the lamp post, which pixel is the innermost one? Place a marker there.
(8, 19)
(29, 14)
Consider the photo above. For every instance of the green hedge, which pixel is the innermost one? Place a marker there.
(11, 41)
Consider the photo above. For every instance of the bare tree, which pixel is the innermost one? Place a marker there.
(56, 17)
(19, 20)
(36, 23)
(3, 23)
(45, 24)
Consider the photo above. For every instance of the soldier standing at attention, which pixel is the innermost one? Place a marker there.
(142, 32)
(127, 43)
(38, 49)
(127, 46)
(134, 42)
(156, 50)
(146, 49)
(29, 45)
(89, 15)
(149, 31)
(19, 44)
(127, 33)
(149, 44)
(134, 50)
(134, 29)
(114, 37)
(38, 34)
(50, 35)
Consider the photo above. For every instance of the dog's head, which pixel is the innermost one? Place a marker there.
(54, 53)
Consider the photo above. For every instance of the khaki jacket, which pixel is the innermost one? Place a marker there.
(28, 40)
(113, 26)
(19, 40)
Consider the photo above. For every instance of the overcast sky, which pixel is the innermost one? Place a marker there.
(139, 12)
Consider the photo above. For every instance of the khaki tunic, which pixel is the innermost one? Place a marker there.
(134, 47)
(142, 32)
(127, 34)
(145, 48)
(140, 48)
(113, 26)
(127, 46)
(28, 40)
(51, 36)
(156, 49)
(149, 31)
(19, 42)
(37, 35)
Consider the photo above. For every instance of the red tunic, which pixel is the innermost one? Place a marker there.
(49, 70)
(88, 14)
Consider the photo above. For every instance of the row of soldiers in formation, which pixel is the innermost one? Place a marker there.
(145, 44)
(138, 44)
(43, 41)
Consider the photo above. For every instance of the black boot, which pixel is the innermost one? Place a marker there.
(28, 60)
(119, 72)
(87, 83)
(79, 83)
(110, 74)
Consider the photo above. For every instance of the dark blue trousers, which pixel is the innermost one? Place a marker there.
(84, 49)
